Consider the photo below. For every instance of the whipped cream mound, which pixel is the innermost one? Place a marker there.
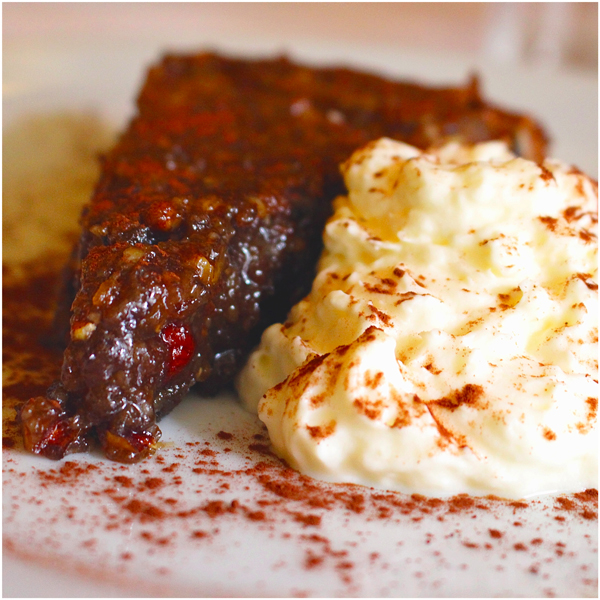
(449, 343)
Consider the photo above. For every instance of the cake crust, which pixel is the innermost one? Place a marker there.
(205, 226)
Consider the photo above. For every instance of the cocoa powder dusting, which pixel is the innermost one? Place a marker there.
(283, 503)
(468, 395)
(30, 356)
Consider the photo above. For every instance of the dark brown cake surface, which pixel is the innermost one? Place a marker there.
(206, 224)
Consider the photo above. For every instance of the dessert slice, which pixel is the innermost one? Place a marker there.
(206, 224)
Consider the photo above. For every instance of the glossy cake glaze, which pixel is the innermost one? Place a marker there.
(205, 226)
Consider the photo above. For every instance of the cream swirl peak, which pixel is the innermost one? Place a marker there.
(449, 343)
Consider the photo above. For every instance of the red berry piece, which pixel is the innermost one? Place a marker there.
(180, 346)
(57, 439)
(128, 448)
(48, 431)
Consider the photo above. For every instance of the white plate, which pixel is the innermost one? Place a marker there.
(156, 528)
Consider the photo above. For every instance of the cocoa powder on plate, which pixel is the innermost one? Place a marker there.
(282, 494)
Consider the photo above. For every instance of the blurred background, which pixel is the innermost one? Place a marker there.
(540, 58)
(557, 35)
